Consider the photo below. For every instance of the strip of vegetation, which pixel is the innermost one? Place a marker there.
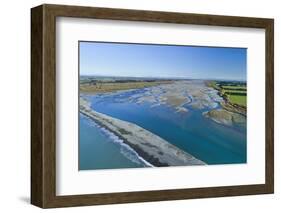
(234, 88)
(234, 93)
(101, 86)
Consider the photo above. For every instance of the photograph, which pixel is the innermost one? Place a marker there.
(159, 105)
(143, 105)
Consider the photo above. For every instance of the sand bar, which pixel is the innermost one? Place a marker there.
(149, 146)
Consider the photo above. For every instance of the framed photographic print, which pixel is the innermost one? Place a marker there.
(136, 106)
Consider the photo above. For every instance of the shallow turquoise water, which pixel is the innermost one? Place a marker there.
(99, 150)
(208, 141)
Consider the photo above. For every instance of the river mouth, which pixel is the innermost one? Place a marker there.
(174, 112)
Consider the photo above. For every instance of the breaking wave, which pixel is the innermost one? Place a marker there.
(125, 149)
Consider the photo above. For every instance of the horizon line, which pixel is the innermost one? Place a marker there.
(165, 77)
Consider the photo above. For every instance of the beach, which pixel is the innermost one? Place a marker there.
(152, 148)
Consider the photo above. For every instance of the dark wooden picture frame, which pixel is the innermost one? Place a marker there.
(43, 105)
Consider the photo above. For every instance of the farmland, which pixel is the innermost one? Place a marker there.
(233, 92)
(104, 85)
(236, 94)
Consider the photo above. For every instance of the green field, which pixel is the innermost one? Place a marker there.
(238, 99)
(236, 93)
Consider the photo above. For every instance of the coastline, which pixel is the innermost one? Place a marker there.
(118, 140)
(153, 149)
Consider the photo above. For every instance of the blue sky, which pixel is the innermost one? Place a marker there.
(142, 60)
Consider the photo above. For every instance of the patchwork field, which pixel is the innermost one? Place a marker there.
(234, 92)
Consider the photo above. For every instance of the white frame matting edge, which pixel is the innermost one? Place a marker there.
(70, 181)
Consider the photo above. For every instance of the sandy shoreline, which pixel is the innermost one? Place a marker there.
(149, 146)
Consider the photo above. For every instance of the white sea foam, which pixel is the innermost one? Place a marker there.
(125, 149)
